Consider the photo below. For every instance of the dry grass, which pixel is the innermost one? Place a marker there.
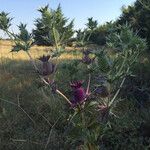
(36, 51)
(19, 82)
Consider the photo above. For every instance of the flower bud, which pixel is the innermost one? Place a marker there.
(47, 68)
(79, 94)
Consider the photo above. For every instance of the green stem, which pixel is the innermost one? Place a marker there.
(11, 35)
(60, 93)
(89, 145)
(89, 36)
(32, 61)
(88, 86)
(118, 91)
(82, 116)
(55, 39)
(123, 63)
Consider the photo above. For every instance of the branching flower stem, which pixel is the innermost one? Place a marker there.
(11, 35)
(88, 86)
(57, 91)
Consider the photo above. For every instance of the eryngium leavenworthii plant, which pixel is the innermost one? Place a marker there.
(114, 62)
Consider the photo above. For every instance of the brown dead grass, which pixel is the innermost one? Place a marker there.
(36, 51)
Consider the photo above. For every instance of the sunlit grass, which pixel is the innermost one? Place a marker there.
(36, 52)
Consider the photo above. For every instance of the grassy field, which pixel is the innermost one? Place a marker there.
(27, 114)
(36, 51)
(32, 119)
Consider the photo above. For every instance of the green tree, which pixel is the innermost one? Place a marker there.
(100, 33)
(5, 21)
(50, 24)
(92, 24)
(83, 37)
(138, 15)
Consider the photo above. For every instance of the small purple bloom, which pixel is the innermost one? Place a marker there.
(79, 94)
(86, 59)
(47, 67)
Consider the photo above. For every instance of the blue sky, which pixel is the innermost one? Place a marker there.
(102, 10)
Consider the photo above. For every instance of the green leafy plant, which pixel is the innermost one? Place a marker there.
(92, 97)
(5, 21)
(138, 17)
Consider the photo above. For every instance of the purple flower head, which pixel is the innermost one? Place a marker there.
(79, 94)
(86, 58)
(47, 66)
(44, 58)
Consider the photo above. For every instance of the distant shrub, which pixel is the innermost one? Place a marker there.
(99, 36)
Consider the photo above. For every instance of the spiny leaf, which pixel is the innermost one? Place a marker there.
(5, 21)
